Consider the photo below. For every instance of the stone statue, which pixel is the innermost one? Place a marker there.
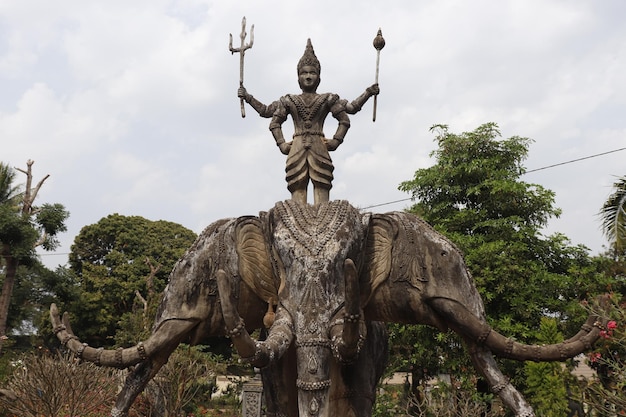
(322, 279)
(308, 157)
(333, 273)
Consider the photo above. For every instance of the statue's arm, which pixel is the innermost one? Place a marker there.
(356, 105)
(262, 109)
(338, 111)
(278, 118)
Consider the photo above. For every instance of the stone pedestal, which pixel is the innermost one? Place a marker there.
(252, 397)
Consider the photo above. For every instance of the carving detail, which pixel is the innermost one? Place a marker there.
(255, 264)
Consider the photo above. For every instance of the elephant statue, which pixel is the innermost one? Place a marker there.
(323, 279)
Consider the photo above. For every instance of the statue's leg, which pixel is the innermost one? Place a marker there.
(279, 386)
(134, 384)
(320, 195)
(353, 388)
(299, 195)
(486, 365)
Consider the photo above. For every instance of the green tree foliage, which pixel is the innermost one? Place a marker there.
(546, 380)
(36, 287)
(117, 259)
(474, 195)
(23, 227)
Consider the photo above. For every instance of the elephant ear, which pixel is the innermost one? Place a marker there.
(378, 255)
(255, 261)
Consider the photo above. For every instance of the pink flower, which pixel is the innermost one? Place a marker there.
(594, 357)
(611, 325)
(604, 334)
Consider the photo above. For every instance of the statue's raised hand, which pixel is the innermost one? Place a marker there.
(242, 93)
(373, 90)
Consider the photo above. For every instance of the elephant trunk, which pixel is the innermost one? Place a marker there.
(467, 324)
(348, 333)
(258, 354)
(119, 358)
(313, 382)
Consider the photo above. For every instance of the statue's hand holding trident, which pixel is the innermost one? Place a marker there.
(242, 50)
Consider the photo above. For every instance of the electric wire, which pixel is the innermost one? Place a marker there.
(526, 172)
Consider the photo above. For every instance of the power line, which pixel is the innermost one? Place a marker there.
(527, 172)
(575, 160)
(386, 204)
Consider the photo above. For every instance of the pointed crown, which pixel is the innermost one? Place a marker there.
(309, 58)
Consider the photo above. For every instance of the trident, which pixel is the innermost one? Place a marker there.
(242, 51)
(379, 43)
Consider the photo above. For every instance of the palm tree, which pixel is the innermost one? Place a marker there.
(9, 193)
(9, 211)
(613, 216)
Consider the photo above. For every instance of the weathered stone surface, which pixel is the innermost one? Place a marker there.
(332, 274)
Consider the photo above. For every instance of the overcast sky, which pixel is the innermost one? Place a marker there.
(131, 106)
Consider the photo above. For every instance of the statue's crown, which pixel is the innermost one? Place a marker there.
(309, 58)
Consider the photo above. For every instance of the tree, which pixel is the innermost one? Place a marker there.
(36, 287)
(613, 216)
(113, 260)
(546, 380)
(473, 194)
(23, 227)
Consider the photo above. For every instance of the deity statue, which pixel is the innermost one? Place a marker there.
(308, 157)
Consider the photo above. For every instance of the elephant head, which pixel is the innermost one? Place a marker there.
(318, 309)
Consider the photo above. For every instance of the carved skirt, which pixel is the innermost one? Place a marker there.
(309, 159)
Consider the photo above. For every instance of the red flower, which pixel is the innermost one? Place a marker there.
(611, 325)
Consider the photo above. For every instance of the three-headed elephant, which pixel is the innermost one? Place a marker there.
(332, 274)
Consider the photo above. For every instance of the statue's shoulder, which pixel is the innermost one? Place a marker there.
(331, 98)
(288, 100)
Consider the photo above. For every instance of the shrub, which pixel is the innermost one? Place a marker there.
(45, 385)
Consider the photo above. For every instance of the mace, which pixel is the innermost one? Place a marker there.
(379, 43)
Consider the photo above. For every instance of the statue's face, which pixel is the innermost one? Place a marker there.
(308, 78)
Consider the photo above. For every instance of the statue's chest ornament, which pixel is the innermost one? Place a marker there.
(307, 111)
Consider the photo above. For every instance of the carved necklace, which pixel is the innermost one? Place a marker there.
(307, 111)
(313, 226)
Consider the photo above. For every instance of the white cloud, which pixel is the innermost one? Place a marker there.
(132, 107)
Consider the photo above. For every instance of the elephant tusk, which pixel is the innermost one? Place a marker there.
(270, 316)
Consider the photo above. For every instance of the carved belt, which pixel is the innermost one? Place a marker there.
(308, 136)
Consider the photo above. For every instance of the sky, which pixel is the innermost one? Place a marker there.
(132, 108)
